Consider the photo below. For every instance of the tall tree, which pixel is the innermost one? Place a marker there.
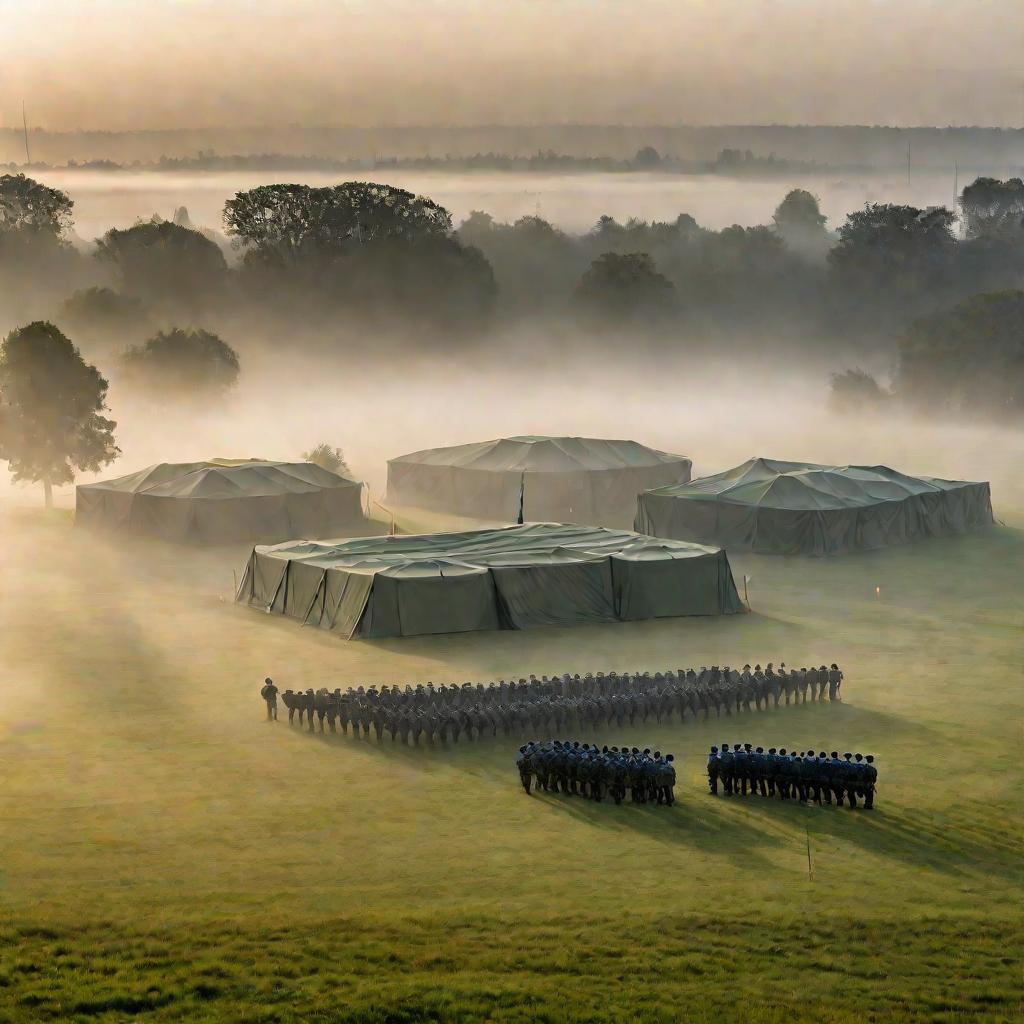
(799, 222)
(51, 402)
(897, 253)
(993, 208)
(164, 263)
(28, 207)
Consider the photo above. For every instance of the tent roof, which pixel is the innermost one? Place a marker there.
(447, 554)
(534, 454)
(225, 478)
(769, 483)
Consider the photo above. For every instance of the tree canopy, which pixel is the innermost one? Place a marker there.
(32, 208)
(102, 313)
(993, 208)
(182, 361)
(288, 224)
(968, 359)
(624, 286)
(799, 222)
(902, 256)
(162, 262)
(51, 402)
(856, 391)
(328, 457)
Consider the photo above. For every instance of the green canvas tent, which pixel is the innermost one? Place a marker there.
(535, 479)
(799, 508)
(222, 501)
(513, 577)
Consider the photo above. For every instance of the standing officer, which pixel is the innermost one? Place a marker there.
(269, 694)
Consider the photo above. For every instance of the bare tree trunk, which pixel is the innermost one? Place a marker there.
(47, 492)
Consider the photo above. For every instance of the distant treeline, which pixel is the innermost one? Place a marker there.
(978, 150)
(732, 162)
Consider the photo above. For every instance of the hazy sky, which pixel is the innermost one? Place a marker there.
(183, 63)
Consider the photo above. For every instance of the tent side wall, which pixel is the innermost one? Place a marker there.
(605, 497)
(561, 593)
(253, 518)
(466, 492)
(415, 606)
(670, 587)
(102, 508)
(959, 509)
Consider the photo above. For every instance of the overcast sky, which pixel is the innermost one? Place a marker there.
(118, 64)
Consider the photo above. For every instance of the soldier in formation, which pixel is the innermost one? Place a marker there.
(788, 775)
(583, 769)
(558, 703)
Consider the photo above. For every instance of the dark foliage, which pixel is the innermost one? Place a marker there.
(28, 207)
(799, 222)
(165, 264)
(994, 209)
(288, 225)
(104, 314)
(967, 360)
(621, 288)
(50, 406)
(856, 391)
(182, 361)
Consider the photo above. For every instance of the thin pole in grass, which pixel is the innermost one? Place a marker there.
(810, 866)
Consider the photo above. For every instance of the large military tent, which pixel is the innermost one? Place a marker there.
(798, 508)
(513, 577)
(223, 501)
(535, 479)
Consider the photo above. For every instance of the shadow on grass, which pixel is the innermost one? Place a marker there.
(693, 821)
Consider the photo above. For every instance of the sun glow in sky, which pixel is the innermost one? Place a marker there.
(118, 64)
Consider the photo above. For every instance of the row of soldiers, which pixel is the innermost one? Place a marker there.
(790, 775)
(559, 703)
(581, 769)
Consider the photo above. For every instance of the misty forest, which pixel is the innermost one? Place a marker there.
(913, 309)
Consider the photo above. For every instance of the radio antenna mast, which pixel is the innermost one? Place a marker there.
(24, 125)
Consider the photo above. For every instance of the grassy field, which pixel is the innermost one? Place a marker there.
(165, 854)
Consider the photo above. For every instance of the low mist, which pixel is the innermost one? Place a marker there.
(718, 411)
(572, 202)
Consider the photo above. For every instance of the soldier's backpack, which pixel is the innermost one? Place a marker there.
(266, 693)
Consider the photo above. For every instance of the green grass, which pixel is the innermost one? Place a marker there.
(167, 855)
